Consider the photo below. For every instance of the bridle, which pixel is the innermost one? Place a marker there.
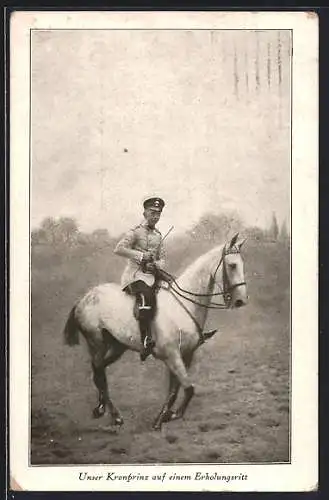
(177, 291)
(226, 293)
(227, 287)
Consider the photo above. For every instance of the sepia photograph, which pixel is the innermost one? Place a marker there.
(160, 251)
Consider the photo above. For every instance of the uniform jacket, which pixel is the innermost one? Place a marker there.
(133, 244)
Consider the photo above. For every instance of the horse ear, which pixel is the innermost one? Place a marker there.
(234, 240)
(241, 242)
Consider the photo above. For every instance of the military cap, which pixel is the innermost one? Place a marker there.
(156, 203)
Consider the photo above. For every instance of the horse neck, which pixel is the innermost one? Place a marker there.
(198, 279)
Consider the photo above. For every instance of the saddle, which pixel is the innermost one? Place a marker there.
(160, 277)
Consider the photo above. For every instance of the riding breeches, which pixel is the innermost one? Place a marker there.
(145, 299)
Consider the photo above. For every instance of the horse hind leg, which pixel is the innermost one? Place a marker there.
(99, 362)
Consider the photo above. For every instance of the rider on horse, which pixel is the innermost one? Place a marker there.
(143, 246)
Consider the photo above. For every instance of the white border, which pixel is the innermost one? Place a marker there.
(302, 473)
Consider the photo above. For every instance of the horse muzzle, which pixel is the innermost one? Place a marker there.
(239, 296)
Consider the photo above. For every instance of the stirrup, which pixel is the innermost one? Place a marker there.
(148, 343)
(146, 351)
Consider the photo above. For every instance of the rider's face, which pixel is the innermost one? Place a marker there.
(152, 216)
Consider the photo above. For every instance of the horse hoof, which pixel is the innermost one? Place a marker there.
(167, 416)
(118, 421)
(173, 416)
(99, 411)
(156, 427)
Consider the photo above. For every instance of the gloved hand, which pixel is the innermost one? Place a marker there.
(147, 257)
(150, 266)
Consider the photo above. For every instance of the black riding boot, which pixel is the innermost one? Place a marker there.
(146, 340)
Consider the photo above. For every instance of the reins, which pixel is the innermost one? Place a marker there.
(173, 280)
(177, 291)
(214, 305)
(189, 313)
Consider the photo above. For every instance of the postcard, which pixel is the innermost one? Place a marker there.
(163, 251)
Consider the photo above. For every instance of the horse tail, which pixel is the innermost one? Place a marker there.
(71, 330)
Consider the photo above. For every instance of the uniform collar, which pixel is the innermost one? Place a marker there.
(145, 224)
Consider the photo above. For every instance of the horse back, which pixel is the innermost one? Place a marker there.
(107, 307)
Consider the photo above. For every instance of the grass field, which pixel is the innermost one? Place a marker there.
(241, 409)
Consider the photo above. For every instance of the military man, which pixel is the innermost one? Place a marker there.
(143, 246)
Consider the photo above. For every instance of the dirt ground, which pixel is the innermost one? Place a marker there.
(241, 410)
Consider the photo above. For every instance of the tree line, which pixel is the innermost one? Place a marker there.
(64, 231)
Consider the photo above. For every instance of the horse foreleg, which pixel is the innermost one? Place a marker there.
(165, 413)
(188, 392)
(174, 386)
(100, 381)
(188, 395)
(178, 370)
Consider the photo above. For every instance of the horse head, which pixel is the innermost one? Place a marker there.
(233, 279)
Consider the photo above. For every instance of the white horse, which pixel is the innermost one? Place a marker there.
(105, 318)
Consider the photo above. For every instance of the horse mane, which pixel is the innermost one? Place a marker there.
(199, 263)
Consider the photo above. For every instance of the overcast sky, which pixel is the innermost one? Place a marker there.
(199, 118)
